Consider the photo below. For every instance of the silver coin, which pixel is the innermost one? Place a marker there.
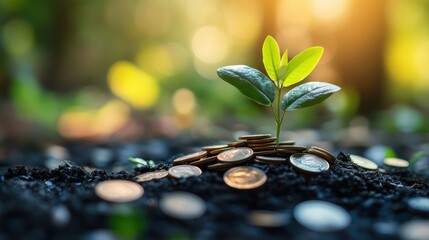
(321, 216)
(415, 230)
(308, 163)
(420, 204)
(184, 171)
(182, 205)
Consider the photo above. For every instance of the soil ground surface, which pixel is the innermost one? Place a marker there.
(41, 203)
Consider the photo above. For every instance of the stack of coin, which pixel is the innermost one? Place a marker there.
(261, 148)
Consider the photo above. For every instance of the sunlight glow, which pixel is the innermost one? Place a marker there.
(133, 85)
(210, 44)
(184, 101)
(330, 10)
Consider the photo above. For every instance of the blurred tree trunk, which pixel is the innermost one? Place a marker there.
(360, 52)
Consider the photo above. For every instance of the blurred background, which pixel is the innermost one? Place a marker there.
(113, 70)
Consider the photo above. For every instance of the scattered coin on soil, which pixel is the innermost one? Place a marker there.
(118, 190)
(396, 163)
(244, 177)
(237, 155)
(308, 163)
(415, 230)
(363, 162)
(419, 204)
(190, 157)
(182, 205)
(265, 218)
(321, 216)
(183, 171)
(151, 175)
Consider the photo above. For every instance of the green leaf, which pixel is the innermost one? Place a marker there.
(307, 94)
(281, 73)
(302, 65)
(271, 57)
(250, 82)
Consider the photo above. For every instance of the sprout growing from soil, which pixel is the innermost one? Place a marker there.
(282, 73)
(141, 162)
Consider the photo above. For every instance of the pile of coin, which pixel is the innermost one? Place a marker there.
(260, 148)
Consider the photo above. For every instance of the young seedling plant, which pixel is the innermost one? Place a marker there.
(282, 73)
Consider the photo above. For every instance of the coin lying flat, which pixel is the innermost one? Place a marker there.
(237, 144)
(190, 157)
(270, 159)
(288, 142)
(237, 155)
(265, 218)
(220, 166)
(203, 161)
(308, 163)
(217, 151)
(262, 140)
(396, 163)
(182, 205)
(213, 147)
(420, 204)
(415, 230)
(263, 153)
(363, 162)
(321, 216)
(244, 177)
(254, 136)
(118, 190)
(183, 171)
(151, 175)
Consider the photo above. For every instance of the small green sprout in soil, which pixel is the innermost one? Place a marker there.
(282, 73)
(141, 162)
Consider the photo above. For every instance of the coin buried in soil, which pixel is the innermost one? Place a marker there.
(363, 162)
(151, 175)
(118, 190)
(237, 155)
(244, 177)
(182, 205)
(184, 171)
(190, 157)
(308, 163)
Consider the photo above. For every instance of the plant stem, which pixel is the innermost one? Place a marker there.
(278, 119)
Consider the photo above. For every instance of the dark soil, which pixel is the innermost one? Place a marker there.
(38, 203)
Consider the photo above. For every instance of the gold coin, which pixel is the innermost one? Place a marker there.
(322, 153)
(308, 163)
(254, 136)
(265, 218)
(220, 166)
(217, 151)
(213, 147)
(292, 148)
(151, 175)
(204, 161)
(237, 155)
(190, 157)
(267, 152)
(182, 205)
(118, 190)
(263, 140)
(237, 144)
(244, 177)
(396, 163)
(184, 171)
(363, 162)
(267, 159)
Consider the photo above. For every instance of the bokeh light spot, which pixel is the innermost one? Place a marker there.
(184, 101)
(210, 44)
(133, 85)
(18, 37)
